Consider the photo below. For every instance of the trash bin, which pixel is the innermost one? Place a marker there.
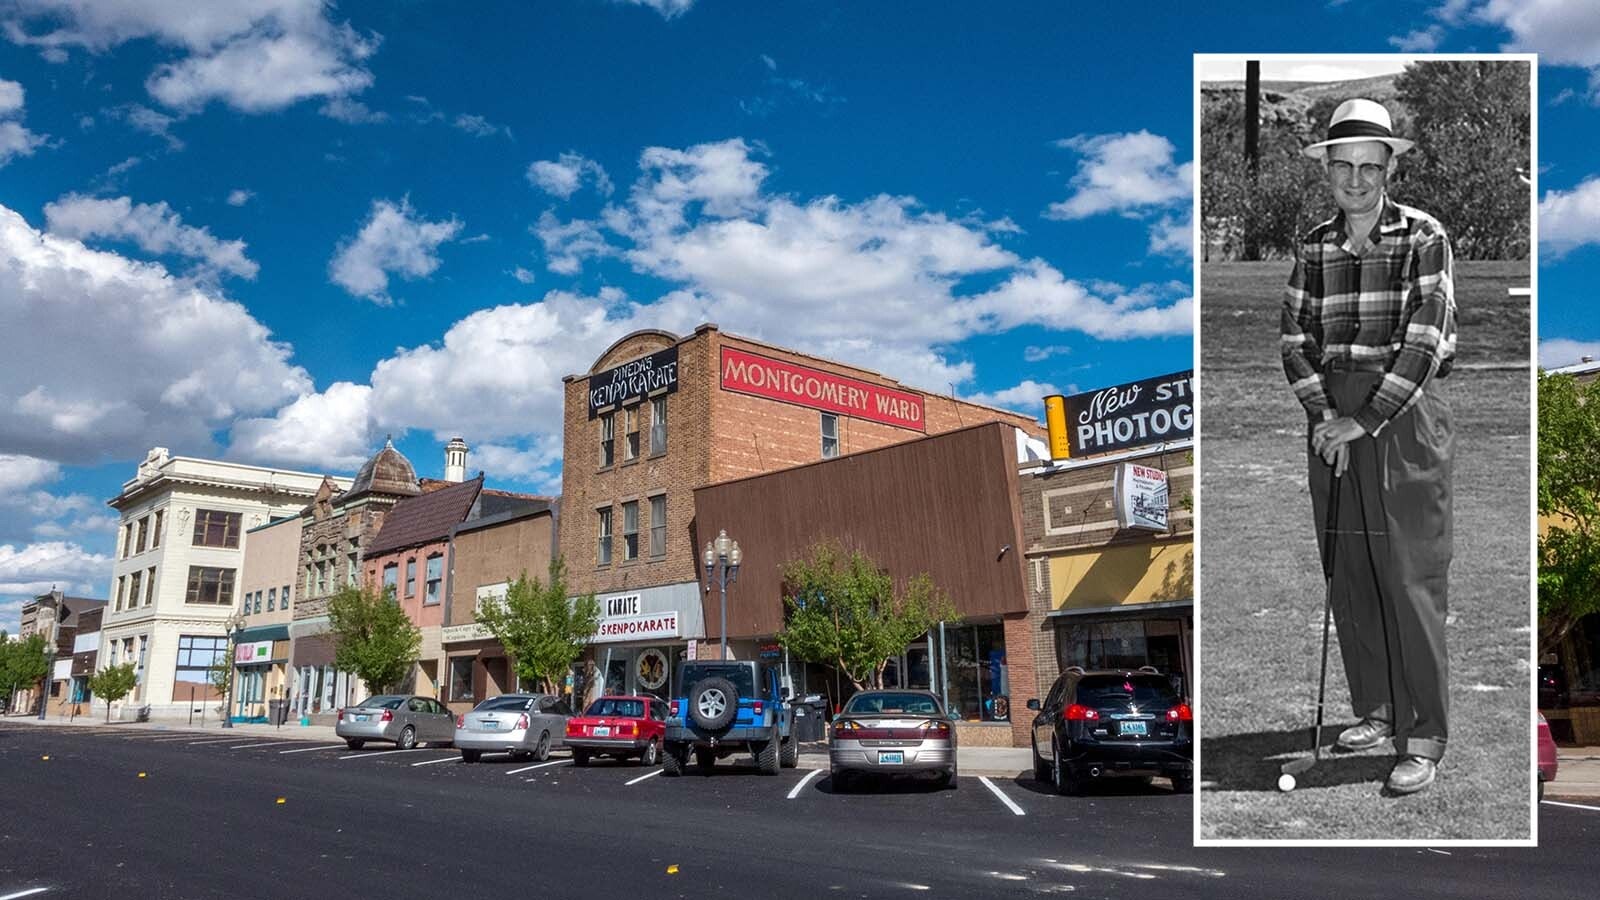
(277, 711)
(810, 720)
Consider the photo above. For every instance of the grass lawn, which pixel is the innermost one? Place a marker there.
(1262, 590)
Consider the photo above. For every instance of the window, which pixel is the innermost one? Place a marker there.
(435, 574)
(351, 567)
(210, 585)
(155, 531)
(461, 678)
(196, 656)
(283, 598)
(658, 426)
(322, 576)
(310, 570)
(975, 659)
(411, 577)
(603, 549)
(630, 449)
(127, 541)
(630, 530)
(272, 599)
(391, 578)
(144, 534)
(658, 526)
(149, 585)
(122, 584)
(830, 435)
(213, 528)
(135, 579)
(258, 601)
(608, 439)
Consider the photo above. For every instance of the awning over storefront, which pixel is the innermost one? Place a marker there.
(313, 650)
(1127, 609)
(264, 633)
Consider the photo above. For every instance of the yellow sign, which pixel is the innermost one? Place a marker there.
(1055, 418)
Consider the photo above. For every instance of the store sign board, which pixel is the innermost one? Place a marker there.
(633, 381)
(456, 634)
(1135, 414)
(1141, 497)
(762, 376)
(251, 653)
(644, 626)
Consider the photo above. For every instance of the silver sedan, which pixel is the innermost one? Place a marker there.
(396, 718)
(892, 732)
(524, 725)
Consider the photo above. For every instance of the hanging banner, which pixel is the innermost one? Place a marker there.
(633, 381)
(1141, 497)
(1135, 414)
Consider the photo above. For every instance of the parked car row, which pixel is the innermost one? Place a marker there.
(1092, 724)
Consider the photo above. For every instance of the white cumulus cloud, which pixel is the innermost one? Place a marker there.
(1025, 397)
(563, 176)
(240, 196)
(317, 431)
(32, 569)
(394, 239)
(11, 97)
(667, 8)
(1123, 173)
(1557, 352)
(19, 472)
(1570, 219)
(153, 227)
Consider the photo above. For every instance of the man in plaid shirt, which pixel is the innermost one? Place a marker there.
(1369, 324)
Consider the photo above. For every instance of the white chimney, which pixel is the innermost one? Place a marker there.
(455, 460)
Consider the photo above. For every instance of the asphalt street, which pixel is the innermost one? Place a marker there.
(168, 815)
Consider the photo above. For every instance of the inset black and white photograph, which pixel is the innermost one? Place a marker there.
(1364, 607)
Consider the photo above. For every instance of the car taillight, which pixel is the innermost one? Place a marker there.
(627, 728)
(388, 716)
(1080, 713)
(756, 707)
(339, 716)
(1180, 713)
(938, 728)
(844, 728)
(461, 720)
(522, 721)
(677, 708)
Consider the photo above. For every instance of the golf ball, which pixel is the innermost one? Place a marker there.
(1285, 782)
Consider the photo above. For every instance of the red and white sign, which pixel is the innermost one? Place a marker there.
(646, 626)
(762, 376)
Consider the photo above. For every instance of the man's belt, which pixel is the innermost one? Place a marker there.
(1377, 366)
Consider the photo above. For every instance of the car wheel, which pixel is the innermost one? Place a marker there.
(1066, 784)
(354, 744)
(789, 753)
(651, 754)
(767, 757)
(580, 758)
(408, 738)
(714, 703)
(1541, 789)
(947, 779)
(705, 759)
(1041, 769)
(672, 762)
(1182, 783)
(471, 756)
(542, 751)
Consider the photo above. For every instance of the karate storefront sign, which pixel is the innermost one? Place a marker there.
(639, 627)
(633, 381)
(1136, 414)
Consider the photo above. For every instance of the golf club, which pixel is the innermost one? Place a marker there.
(1330, 532)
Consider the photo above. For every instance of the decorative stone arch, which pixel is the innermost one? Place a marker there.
(634, 345)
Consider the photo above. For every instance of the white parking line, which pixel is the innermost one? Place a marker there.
(1546, 802)
(643, 777)
(309, 749)
(168, 739)
(539, 766)
(797, 788)
(363, 754)
(213, 741)
(263, 744)
(429, 762)
(27, 893)
(1003, 798)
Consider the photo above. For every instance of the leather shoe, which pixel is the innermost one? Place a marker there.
(1365, 735)
(1412, 774)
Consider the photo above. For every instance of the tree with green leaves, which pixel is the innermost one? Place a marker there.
(372, 636)
(842, 609)
(542, 630)
(220, 674)
(113, 683)
(24, 663)
(1569, 506)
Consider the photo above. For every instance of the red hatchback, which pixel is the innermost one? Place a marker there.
(619, 727)
(1547, 755)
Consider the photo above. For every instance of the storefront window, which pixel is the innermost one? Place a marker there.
(1124, 644)
(461, 678)
(979, 688)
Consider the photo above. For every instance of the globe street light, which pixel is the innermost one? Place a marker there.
(722, 558)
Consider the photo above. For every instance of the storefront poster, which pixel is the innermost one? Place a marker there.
(1141, 497)
(652, 669)
(256, 652)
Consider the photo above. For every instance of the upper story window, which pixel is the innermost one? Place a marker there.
(630, 448)
(155, 530)
(608, 439)
(630, 530)
(214, 528)
(391, 578)
(127, 541)
(210, 585)
(122, 586)
(411, 577)
(272, 599)
(830, 435)
(144, 534)
(149, 585)
(658, 426)
(658, 526)
(135, 579)
(435, 576)
(602, 553)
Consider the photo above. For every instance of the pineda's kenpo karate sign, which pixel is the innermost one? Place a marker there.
(633, 381)
(1137, 414)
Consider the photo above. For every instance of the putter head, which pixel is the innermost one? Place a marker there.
(1298, 766)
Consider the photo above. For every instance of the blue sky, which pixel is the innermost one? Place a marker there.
(281, 229)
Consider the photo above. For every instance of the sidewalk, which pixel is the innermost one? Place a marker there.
(1577, 774)
(994, 762)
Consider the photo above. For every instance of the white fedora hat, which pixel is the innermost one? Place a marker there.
(1356, 121)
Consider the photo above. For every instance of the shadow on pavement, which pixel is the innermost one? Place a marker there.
(1253, 762)
(911, 783)
(1109, 786)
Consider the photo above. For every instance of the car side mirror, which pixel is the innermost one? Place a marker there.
(1033, 703)
(785, 693)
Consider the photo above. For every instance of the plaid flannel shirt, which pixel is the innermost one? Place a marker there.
(1391, 309)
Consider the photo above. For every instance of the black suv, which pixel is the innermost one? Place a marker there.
(729, 706)
(1106, 722)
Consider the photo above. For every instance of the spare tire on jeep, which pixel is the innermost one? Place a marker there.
(713, 703)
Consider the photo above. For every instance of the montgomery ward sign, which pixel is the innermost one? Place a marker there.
(647, 626)
(1142, 497)
(762, 376)
(633, 381)
(1136, 414)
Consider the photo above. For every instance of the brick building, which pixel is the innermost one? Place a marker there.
(659, 415)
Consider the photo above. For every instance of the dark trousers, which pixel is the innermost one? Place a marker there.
(1391, 562)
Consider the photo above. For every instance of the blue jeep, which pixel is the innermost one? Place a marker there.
(726, 706)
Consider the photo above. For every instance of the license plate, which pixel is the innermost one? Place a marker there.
(891, 757)
(361, 718)
(602, 731)
(1133, 728)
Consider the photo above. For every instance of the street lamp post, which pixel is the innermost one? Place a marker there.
(722, 558)
(50, 649)
(234, 623)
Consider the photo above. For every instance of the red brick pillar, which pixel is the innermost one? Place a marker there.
(1021, 673)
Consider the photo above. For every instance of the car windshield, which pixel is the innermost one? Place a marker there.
(383, 702)
(506, 702)
(1139, 690)
(742, 677)
(885, 702)
(617, 706)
